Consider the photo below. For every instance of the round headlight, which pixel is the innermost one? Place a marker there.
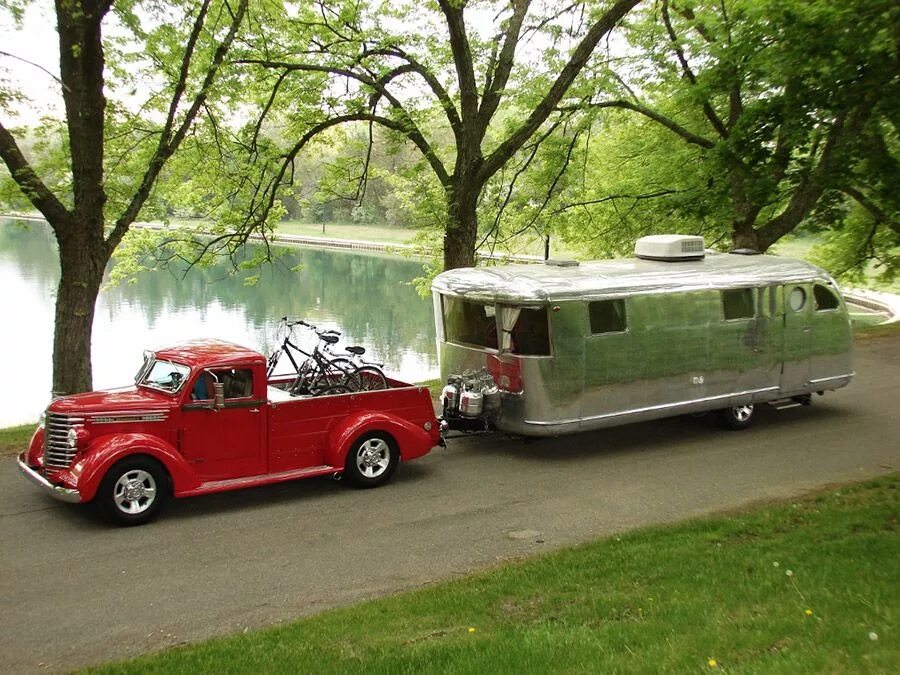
(42, 420)
(72, 438)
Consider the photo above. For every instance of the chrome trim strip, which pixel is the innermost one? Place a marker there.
(820, 380)
(61, 493)
(102, 418)
(664, 406)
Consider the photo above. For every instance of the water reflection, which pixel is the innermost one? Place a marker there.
(366, 297)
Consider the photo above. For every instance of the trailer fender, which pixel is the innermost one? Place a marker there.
(107, 450)
(412, 441)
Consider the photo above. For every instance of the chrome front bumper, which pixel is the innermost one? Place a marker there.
(61, 493)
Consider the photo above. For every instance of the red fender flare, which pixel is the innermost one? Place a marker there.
(412, 441)
(107, 450)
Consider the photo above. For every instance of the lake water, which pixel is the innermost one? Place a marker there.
(366, 297)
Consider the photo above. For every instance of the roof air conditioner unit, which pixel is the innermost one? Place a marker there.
(670, 247)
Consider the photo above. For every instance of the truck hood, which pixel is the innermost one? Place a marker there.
(125, 400)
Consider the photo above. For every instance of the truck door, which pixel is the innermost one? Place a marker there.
(227, 442)
(795, 367)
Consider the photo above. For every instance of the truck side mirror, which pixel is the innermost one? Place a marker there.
(219, 401)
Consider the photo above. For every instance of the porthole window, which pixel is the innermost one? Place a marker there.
(797, 299)
(824, 298)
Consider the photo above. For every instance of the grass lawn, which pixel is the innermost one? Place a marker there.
(377, 233)
(807, 586)
(14, 440)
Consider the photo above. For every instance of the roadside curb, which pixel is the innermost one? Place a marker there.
(875, 300)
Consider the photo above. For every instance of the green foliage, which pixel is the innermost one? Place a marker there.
(805, 97)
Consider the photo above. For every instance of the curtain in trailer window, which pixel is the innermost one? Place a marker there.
(469, 323)
(508, 318)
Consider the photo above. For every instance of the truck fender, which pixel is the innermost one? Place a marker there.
(412, 441)
(107, 450)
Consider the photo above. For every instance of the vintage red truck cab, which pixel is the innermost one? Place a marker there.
(202, 418)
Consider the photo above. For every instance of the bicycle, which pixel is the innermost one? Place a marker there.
(370, 373)
(319, 373)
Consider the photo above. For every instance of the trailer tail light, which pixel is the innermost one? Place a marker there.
(507, 372)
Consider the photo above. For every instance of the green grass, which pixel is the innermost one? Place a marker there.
(799, 587)
(14, 440)
(377, 233)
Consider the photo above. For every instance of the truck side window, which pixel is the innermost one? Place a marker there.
(824, 298)
(237, 383)
(737, 303)
(607, 316)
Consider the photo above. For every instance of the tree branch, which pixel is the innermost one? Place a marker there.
(500, 75)
(462, 57)
(689, 74)
(560, 86)
(32, 186)
(168, 146)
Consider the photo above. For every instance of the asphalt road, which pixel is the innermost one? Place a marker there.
(75, 592)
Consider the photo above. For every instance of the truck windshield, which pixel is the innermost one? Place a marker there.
(164, 376)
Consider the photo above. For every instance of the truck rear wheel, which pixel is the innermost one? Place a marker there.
(133, 491)
(738, 417)
(372, 459)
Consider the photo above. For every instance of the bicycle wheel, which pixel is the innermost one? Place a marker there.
(340, 372)
(371, 378)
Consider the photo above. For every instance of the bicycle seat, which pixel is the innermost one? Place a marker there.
(329, 338)
(359, 351)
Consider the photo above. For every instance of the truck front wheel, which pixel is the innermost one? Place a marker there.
(371, 460)
(133, 491)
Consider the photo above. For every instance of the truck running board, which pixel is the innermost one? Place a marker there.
(254, 481)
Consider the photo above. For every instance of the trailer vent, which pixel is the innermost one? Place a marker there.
(670, 247)
(561, 262)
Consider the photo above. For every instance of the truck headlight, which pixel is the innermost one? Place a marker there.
(42, 420)
(76, 437)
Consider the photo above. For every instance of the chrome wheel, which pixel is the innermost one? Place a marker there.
(743, 413)
(738, 417)
(373, 457)
(135, 491)
(371, 460)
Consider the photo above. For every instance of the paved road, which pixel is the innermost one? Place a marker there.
(74, 592)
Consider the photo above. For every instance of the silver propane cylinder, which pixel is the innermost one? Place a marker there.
(471, 403)
(450, 397)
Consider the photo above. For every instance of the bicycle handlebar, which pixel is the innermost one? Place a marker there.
(300, 322)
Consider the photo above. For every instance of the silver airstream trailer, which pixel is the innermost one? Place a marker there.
(550, 349)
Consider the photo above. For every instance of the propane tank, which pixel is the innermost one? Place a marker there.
(471, 403)
(491, 396)
(450, 398)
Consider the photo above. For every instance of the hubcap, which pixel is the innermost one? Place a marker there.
(742, 413)
(135, 491)
(373, 457)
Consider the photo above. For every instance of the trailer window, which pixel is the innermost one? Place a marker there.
(607, 316)
(737, 303)
(824, 298)
(469, 323)
(529, 335)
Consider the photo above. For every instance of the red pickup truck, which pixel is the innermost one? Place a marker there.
(202, 418)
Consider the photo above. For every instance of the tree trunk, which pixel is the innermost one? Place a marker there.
(81, 273)
(744, 236)
(462, 225)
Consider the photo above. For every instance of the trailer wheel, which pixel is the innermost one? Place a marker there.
(133, 491)
(738, 417)
(372, 459)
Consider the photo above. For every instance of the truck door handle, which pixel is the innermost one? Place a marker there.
(254, 410)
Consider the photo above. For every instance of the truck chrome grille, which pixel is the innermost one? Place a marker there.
(57, 453)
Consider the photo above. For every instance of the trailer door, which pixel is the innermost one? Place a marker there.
(795, 367)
